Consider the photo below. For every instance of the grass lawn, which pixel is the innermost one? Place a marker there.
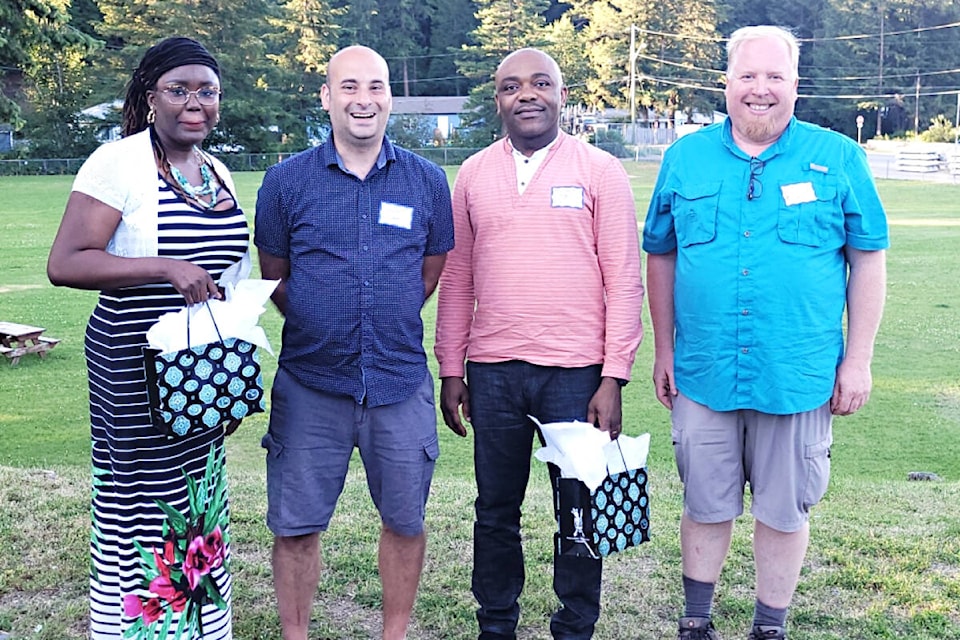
(885, 553)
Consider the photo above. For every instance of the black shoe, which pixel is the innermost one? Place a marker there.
(697, 629)
(764, 632)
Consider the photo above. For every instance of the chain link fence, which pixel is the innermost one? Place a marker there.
(40, 167)
(234, 161)
(444, 156)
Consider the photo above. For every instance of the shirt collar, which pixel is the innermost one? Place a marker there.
(332, 158)
(539, 154)
(778, 147)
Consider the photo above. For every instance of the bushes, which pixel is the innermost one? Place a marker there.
(941, 130)
(610, 141)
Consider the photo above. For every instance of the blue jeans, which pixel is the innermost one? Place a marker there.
(501, 396)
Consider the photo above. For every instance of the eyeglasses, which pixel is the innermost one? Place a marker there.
(755, 188)
(207, 96)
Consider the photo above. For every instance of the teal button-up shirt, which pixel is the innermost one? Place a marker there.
(761, 274)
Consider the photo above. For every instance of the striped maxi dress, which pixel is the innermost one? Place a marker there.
(152, 577)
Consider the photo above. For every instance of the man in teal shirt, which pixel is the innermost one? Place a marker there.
(761, 230)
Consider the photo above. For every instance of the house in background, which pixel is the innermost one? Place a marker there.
(6, 137)
(105, 117)
(442, 113)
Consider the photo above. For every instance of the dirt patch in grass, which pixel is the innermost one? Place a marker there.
(10, 288)
(63, 611)
(948, 403)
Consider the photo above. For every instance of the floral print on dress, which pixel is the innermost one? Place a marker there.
(180, 576)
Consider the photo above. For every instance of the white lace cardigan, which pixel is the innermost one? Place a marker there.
(123, 175)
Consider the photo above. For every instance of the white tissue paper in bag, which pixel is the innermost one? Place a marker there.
(584, 452)
(236, 317)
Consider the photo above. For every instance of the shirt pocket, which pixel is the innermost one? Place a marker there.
(807, 223)
(695, 210)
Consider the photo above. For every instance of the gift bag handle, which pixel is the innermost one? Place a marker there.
(220, 338)
(621, 457)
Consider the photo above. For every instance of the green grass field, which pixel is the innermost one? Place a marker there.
(885, 553)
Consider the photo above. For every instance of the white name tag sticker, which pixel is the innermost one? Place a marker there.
(396, 215)
(567, 197)
(798, 193)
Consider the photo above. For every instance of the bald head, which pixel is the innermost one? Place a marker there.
(531, 54)
(357, 97)
(357, 54)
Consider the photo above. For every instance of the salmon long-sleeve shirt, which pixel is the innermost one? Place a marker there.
(551, 276)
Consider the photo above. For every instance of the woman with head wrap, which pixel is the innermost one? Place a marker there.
(153, 223)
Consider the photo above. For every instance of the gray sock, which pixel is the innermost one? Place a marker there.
(698, 598)
(768, 616)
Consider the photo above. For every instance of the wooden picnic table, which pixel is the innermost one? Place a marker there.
(17, 340)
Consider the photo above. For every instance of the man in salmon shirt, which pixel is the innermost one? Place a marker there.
(541, 299)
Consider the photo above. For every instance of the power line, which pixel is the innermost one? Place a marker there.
(416, 80)
(423, 56)
(860, 36)
(885, 34)
(849, 96)
(911, 75)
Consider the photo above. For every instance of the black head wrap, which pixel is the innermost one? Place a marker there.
(162, 57)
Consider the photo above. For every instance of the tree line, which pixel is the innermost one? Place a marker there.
(894, 62)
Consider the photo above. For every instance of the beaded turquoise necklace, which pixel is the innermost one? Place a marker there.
(209, 187)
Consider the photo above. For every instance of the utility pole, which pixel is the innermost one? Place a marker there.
(880, 77)
(956, 130)
(916, 108)
(633, 83)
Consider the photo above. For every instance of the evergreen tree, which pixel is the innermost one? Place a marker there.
(914, 49)
(57, 87)
(27, 29)
(566, 45)
(692, 59)
(85, 16)
(304, 37)
(676, 47)
(395, 30)
(450, 23)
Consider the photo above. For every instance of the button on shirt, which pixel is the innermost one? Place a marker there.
(527, 165)
(760, 283)
(356, 250)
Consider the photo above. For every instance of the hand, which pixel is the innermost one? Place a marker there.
(852, 387)
(663, 384)
(230, 426)
(605, 409)
(454, 398)
(194, 283)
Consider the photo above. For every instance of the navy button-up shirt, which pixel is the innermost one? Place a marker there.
(356, 250)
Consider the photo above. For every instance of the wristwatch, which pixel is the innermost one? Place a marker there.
(621, 382)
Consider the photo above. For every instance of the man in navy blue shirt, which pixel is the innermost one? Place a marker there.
(357, 231)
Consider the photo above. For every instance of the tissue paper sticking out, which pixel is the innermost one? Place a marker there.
(236, 317)
(584, 452)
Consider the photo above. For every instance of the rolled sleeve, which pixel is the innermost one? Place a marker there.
(440, 238)
(271, 231)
